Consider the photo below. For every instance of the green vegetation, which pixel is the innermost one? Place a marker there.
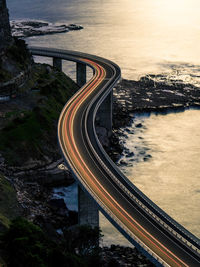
(25, 244)
(17, 58)
(85, 240)
(9, 208)
(19, 53)
(31, 132)
(5, 75)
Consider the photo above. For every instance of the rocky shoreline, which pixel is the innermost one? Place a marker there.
(149, 95)
(123, 256)
(28, 28)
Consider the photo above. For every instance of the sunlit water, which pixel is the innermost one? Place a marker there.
(166, 163)
(142, 36)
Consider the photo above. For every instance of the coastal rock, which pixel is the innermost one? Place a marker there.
(147, 157)
(58, 206)
(51, 175)
(124, 163)
(123, 257)
(34, 28)
(130, 154)
(154, 93)
(74, 27)
(139, 125)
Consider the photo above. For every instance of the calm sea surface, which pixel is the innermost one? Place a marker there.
(141, 36)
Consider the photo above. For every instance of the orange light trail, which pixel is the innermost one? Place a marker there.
(83, 170)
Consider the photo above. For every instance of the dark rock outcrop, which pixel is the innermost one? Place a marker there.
(35, 28)
(5, 31)
(58, 206)
(119, 256)
(147, 95)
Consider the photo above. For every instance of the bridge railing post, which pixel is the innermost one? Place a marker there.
(80, 73)
(88, 212)
(57, 63)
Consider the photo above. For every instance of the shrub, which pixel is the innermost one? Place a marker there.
(19, 52)
(25, 244)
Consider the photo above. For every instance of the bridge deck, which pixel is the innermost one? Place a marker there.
(163, 240)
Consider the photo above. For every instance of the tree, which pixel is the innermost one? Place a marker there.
(84, 241)
(25, 244)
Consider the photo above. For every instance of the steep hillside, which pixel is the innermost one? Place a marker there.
(9, 207)
(28, 124)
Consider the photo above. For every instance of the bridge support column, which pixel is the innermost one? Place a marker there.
(88, 211)
(80, 73)
(57, 63)
(105, 112)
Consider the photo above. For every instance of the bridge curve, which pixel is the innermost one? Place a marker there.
(149, 228)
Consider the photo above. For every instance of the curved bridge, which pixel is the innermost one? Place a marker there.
(150, 229)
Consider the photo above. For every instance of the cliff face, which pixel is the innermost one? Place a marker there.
(5, 32)
(15, 59)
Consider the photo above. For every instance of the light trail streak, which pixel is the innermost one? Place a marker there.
(83, 170)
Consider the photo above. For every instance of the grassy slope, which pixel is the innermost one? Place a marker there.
(29, 130)
(30, 133)
(9, 208)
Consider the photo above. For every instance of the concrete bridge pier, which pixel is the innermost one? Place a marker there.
(80, 74)
(57, 63)
(105, 112)
(88, 211)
